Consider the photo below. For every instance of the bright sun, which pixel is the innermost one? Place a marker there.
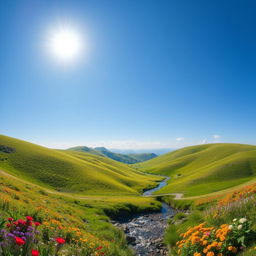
(65, 44)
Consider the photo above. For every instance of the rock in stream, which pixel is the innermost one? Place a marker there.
(144, 233)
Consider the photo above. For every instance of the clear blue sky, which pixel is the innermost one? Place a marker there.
(154, 71)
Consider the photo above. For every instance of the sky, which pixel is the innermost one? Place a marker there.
(152, 74)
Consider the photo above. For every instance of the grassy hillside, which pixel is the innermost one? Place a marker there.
(141, 157)
(204, 169)
(70, 172)
(84, 216)
(85, 149)
(124, 158)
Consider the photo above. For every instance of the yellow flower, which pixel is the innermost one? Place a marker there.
(230, 248)
(205, 242)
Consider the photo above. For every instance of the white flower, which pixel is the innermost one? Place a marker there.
(234, 220)
(242, 220)
(239, 227)
(230, 227)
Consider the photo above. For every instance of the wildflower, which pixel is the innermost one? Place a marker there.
(37, 223)
(210, 254)
(10, 219)
(234, 220)
(230, 248)
(19, 241)
(239, 227)
(242, 220)
(35, 253)
(99, 248)
(230, 227)
(60, 240)
(29, 218)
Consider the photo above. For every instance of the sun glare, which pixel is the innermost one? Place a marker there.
(65, 44)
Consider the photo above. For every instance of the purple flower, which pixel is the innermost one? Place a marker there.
(30, 228)
(10, 235)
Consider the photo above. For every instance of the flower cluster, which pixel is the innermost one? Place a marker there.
(19, 235)
(226, 240)
(31, 238)
(75, 236)
(238, 195)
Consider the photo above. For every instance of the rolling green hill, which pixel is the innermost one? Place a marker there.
(69, 171)
(205, 168)
(124, 158)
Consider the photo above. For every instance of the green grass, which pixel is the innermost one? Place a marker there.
(19, 198)
(78, 189)
(204, 169)
(69, 171)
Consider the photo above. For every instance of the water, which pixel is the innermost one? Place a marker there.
(160, 185)
(145, 231)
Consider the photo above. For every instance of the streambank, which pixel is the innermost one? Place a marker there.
(144, 232)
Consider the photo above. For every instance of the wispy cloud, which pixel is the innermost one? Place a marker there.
(216, 136)
(204, 141)
(180, 139)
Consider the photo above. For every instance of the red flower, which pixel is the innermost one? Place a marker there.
(37, 223)
(10, 219)
(35, 253)
(29, 218)
(60, 240)
(8, 225)
(22, 222)
(99, 248)
(19, 241)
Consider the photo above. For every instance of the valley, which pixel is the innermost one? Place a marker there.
(147, 202)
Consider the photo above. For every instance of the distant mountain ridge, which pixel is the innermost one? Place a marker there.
(124, 158)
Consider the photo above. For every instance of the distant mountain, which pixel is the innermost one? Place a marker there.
(124, 158)
(87, 150)
(157, 151)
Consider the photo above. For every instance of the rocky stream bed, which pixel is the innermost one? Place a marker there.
(144, 232)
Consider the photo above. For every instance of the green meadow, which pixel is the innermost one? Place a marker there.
(86, 190)
(70, 171)
(203, 169)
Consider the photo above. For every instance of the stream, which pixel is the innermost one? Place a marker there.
(144, 232)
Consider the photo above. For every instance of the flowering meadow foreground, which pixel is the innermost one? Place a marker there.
(224, 241)
(221, 232)
(25, 237)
